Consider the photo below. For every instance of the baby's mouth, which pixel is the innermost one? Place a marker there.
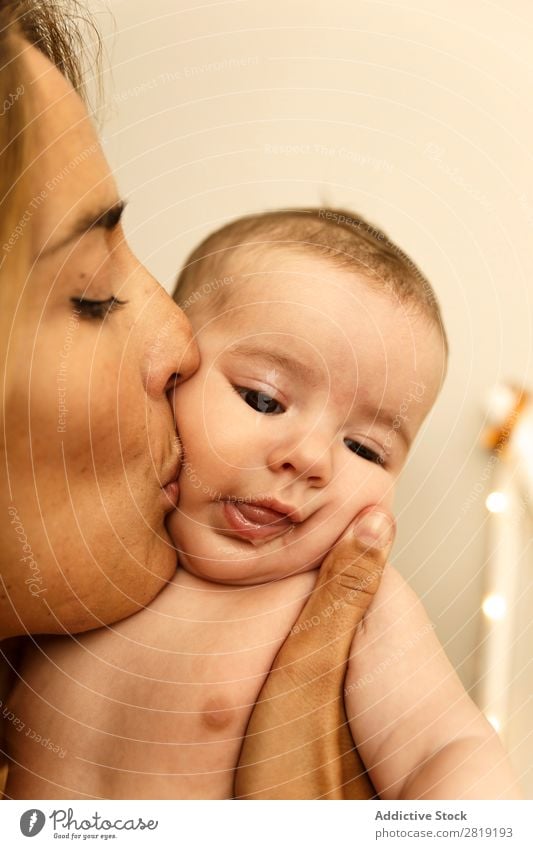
(255, 522)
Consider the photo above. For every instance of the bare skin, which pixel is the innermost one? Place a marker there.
(298, 743)
(416, 730)
(87, 437)
(415, 772)
(157, 706)
(87, 433)
(215, 631)
(398, 743)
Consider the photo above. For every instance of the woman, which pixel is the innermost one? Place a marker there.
(92, 348)
(88, 443)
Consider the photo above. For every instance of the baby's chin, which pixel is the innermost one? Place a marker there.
(245, 571)
(172, 526)
(226, 559)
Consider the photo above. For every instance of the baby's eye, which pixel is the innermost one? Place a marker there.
(364, 452)
(260, 401)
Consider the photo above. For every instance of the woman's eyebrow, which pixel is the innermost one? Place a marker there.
(277, 359)
(106, 217)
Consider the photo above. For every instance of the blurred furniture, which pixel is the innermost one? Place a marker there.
(505, 669)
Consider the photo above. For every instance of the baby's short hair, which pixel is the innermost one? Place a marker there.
(345, 238)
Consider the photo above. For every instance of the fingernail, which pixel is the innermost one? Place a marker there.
(375, 529)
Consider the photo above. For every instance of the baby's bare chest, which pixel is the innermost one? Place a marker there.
(159, 707)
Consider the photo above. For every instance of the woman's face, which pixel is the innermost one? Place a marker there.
(88, 435)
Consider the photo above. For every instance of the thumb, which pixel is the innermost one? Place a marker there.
(351, 573)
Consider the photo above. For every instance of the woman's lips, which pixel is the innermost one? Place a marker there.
(172, 494)
(255, 522)
(171, 490)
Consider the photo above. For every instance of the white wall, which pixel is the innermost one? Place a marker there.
(418, 115)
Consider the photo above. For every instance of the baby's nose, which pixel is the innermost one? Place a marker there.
(307, 459)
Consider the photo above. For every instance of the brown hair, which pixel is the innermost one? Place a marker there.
(336, 234)
(52, 27)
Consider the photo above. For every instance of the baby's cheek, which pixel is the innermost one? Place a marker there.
(174, 528)
(371, 486)
(387, 492)
(376, 490)
(326, 537)
(230, 446)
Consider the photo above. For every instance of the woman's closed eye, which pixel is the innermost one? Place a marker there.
(363, 451)
(260, 401)
(89, 308)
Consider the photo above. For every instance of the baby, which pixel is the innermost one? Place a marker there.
(322, 352)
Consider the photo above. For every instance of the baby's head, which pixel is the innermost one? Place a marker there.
(322, 351)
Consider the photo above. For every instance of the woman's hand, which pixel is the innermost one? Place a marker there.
(298, 744)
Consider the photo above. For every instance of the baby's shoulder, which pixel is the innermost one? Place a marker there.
(395, 616)
(394, 594)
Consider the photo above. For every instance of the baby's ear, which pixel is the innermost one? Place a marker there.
(180, 287)
(175, 293)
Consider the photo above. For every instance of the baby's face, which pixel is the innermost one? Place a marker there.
(311, 389)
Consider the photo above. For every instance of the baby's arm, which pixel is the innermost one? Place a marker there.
(418, 732)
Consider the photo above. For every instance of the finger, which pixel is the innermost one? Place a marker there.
(350, 575)
(353, 569)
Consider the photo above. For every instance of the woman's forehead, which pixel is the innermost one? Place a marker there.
(69, 173)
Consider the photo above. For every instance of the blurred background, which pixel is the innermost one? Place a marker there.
(419, 115)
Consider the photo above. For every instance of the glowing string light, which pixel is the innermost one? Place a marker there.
(494, 606)
(496, 502)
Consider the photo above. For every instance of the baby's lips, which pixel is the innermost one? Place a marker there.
(374, 528)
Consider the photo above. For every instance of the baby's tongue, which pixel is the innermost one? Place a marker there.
(261, 515)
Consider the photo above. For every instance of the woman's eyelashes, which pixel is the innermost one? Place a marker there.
(363, 451)
(89, 308)
(260, 401)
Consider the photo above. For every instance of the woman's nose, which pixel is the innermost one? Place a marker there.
(308, 458)
(171, 352)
